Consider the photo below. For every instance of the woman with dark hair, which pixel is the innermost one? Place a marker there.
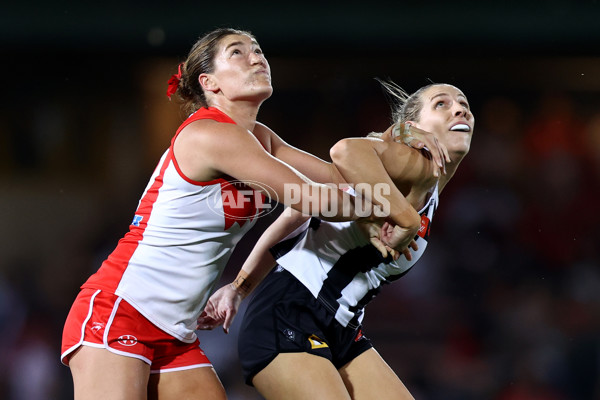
(130, 333)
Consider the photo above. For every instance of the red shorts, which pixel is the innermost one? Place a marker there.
(104, 320)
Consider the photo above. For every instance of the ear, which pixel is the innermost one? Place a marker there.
(207, 83)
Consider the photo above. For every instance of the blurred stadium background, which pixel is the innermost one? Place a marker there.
(506, 303)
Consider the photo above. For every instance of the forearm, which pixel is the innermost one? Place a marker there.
(260, 261)
(256, 267)
(288, 186)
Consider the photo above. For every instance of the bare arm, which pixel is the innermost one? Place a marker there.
(363, 160)
(313, 167)
(260, 261)
(408, 173)
(223, 305)
(206, 150)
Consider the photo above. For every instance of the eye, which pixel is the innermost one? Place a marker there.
(440, 103)
(258, 51)
(236, 51)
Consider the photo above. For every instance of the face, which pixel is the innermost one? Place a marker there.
(447, 115)
(241, 70)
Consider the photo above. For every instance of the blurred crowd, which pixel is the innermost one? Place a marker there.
(505, 304)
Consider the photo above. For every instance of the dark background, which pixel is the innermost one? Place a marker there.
(505, 303)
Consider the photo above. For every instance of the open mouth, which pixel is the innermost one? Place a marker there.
(461, 128)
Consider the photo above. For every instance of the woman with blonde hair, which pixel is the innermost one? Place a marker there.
(302, 335)
(130, 333)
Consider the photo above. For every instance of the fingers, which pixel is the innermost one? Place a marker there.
(209, 318)
(207, 324)
(380, 246)
(228, 321)
(446, 154)
(425, 140)
(395, 254)
(413, 245)
(402, 133)
(407, 254)
(442, 156)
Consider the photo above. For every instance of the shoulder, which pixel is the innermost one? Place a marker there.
(265, 136)
(262, 130)
(208, 133)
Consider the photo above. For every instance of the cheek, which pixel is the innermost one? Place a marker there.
(432, 126)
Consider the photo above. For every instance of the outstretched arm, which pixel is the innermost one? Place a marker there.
(206, 150)
(223, 305)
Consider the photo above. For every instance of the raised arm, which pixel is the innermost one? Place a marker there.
(223, 305)
(372, 162)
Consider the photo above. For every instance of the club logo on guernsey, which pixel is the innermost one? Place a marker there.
(242, 201)
(289, 334)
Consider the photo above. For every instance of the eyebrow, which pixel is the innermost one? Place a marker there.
(446, 94)
(239, 42)
(439, 95)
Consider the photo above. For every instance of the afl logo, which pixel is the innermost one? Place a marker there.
(127, 340)
(239, 202)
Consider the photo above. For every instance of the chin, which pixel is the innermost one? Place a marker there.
(459, 150)
(266, 91)
(258, 94)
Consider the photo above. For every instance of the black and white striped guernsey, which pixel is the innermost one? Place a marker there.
(339, 266)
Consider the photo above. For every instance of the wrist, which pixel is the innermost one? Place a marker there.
(241, 284)
(406, 218)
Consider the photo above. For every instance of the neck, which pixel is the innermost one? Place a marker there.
(242, 112)
(451, 168)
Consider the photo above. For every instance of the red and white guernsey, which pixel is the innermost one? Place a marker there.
(178, 244)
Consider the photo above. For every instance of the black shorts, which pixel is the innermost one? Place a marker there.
(284, 317)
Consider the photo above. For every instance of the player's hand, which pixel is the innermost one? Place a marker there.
(383, 236)
(395, 237)
(385, 250)
(420, 139)
(220, 309)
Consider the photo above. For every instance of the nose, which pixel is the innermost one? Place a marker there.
(460, 110)
(256, 58)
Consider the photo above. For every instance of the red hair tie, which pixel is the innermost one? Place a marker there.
(174, 82)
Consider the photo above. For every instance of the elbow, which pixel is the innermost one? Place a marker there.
(340, 152)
